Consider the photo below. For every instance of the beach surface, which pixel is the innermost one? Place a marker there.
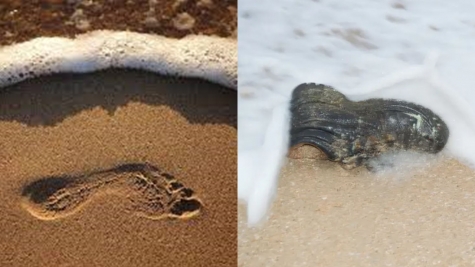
(324, 215)
(75, 124)
(25, 20)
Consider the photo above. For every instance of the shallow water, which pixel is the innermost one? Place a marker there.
(391, 49)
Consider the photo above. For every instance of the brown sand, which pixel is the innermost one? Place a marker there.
(70, 124)
(21, 20)
(327, 216)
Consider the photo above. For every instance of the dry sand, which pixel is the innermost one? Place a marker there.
(71, 124)
(324, 215)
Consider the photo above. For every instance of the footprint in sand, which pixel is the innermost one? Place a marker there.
(152, 193)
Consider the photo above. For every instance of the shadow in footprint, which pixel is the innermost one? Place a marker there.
(40, 190)
(185, 205)
(152, 193)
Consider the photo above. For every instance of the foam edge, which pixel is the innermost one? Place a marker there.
(195, 56)
(257, 185)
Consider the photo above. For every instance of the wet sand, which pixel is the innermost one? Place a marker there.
(324, 215)
(73, 124)
(23, 20)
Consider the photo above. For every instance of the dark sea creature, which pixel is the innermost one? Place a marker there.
(353, 132)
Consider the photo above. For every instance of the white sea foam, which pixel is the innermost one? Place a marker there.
(400, 166)
(206, 57)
